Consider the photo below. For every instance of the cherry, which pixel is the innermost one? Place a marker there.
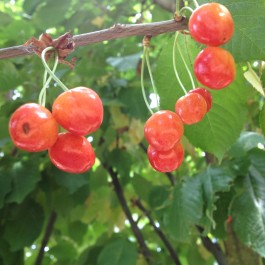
(79, 110)
(215, 67)
(191, 108)
(211, 24)
(33, 128)
(163, 130)
(205, 94)
(166, 161)
(72, 153)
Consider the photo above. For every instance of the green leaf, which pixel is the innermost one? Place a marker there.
(248, 207)
(25, 176)
(5, 186)
(262, 119)
(119, 252)
(24, 225)
(9, 78)
(186, 209)
(246, 142)
(70, 181)
(222, 125)
(214, 180)
(125, 63)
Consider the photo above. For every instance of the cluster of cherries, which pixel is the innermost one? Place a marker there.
(79, 111)
(212, 25)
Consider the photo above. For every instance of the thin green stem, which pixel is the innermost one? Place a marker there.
(174, 64)
(178, 7)
(186, 66)
(46, 82)
(56, 79)
(196, 3)
(142, 83)
(185, 8)
(151, 76)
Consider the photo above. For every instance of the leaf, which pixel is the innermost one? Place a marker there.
(119, 252)
(246, 142)
(254, 80)
(5, 186)
(247, 208)
(25, 176)
(9, 78)
(214, 180)
(186, 209)
(222, 125)
(24, 225)
(125, 63)
(262, 119)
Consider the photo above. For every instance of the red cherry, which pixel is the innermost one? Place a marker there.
(78, 110)
(166, 161)
(163, 130)
(72, 153)
(215, 67)
(191, 108)
(211, 24)
(33, 128)
(205, 94)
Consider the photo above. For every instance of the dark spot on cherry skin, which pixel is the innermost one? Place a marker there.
(26, 127)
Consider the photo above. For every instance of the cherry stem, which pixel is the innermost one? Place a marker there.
(185, 8)
(174, 64)
(196, 3)
(48, 69)
(142, 83)
(46, 82)
(151, 76)
(186, 66)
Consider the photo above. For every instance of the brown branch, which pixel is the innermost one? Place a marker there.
(115, 32)
(159, 232)
(46, 237)
(118, 189)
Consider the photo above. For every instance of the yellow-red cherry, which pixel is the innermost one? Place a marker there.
(79, 110)
(72, 153)
(191, 108)
(215, 67)
(163, 130)
(166, 161)
(206, 95)
(33, 128)
(211, 24)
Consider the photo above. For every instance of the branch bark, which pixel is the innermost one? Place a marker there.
(115, 32)
(159, 232)
(118, 189)
(46, 237)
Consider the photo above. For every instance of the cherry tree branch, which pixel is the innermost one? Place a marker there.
(115, 32)
(119, 192)
(159, 232)
(46, 237)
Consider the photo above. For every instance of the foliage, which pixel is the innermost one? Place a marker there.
(223, 173)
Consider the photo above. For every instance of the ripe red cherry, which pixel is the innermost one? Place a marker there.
(191, 108)
(163, 130)
(166, 161)
(211, 24)
(205, 94)
(33, 128)
(215, 67)
(79, 110)
(72, 153)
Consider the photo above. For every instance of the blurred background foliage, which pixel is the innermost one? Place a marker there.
(78, 219)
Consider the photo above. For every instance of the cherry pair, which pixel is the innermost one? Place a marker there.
(34, 128)
(212, 25)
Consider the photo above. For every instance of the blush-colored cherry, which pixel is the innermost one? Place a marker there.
(191, 108)
(72, 153)
(205, 94)
(79, 110)
(166, 161)
(211, 24)
(163, 130)
(33, 128)
(215, 67)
